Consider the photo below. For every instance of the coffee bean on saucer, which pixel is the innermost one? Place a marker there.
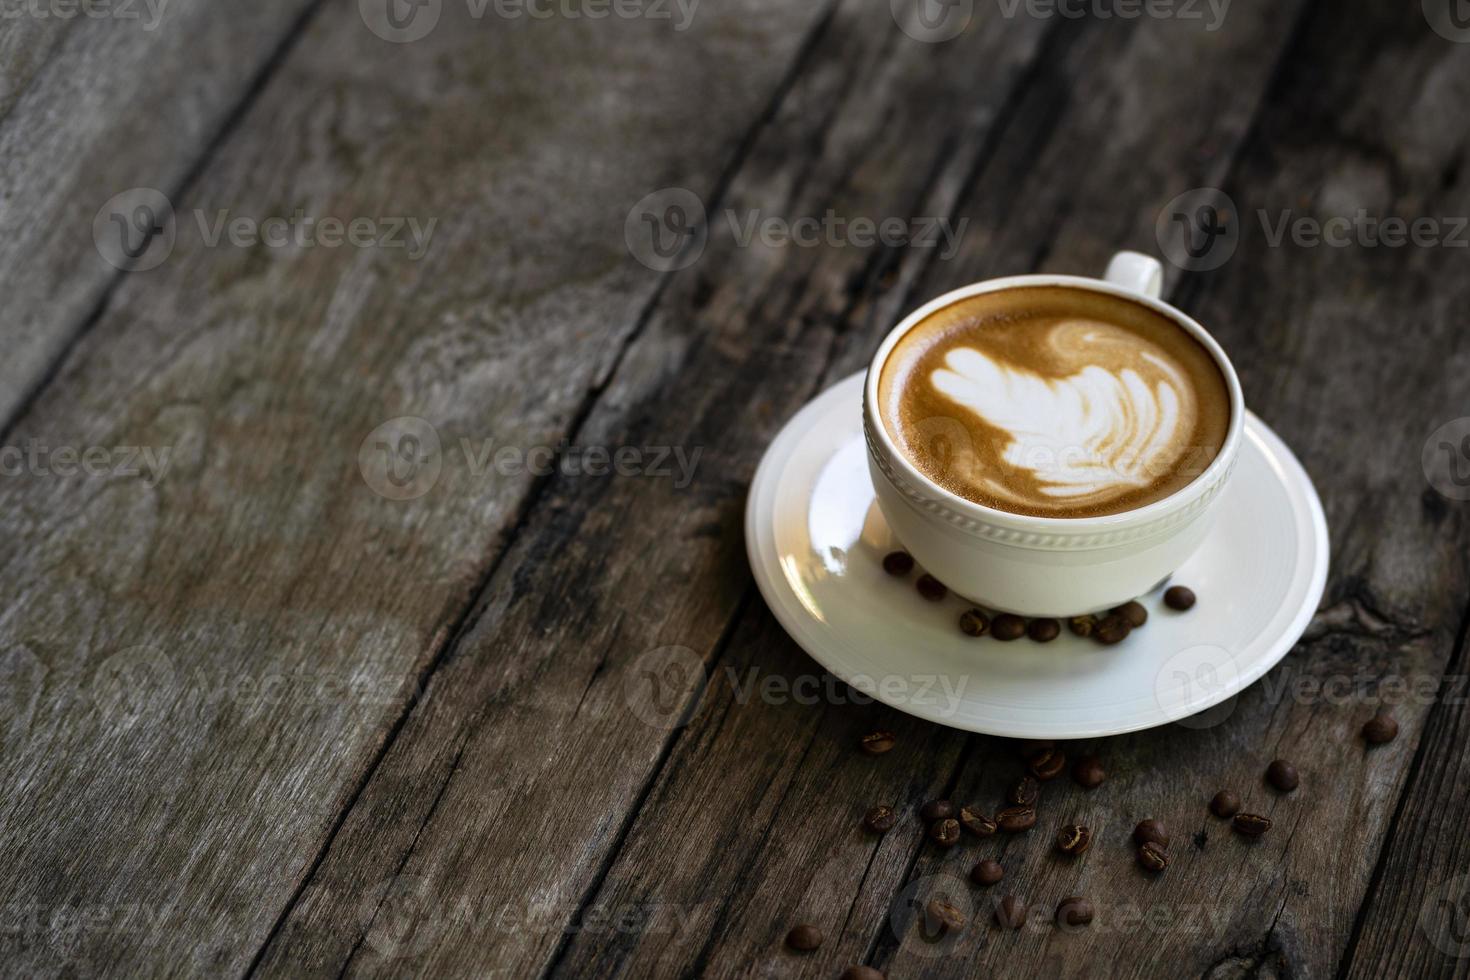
(931, 588)
(1380, 728)
(1133, 613)
(1111, 630)
(876, 743)
(1047, 764)
(1082, 625)
(1088, 772)
(1225, 804)
(936, 810)
(1150, 831)
(1073, 840)
(898, 563)
(1178, 597)
(987, 873)
(861, 973)
(1014, 819)
(1044, 630)
(805, 937)
(1010, 913)
(1283, 775)
(976, 822)
(1074, 911)
(946, 832)
(1153, 857)
(1007, 627)
(1025, 792)
(973, 622)
(880, 819)
(1250, 824)
(944, 916)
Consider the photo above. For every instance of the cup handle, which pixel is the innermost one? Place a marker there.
(1138, 272)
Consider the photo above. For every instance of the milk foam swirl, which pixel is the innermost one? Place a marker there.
(1112, 426)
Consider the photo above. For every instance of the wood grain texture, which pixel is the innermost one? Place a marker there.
(204, 666)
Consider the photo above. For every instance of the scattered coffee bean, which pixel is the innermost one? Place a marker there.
(1112, 630)
(976, 822)
(1225, 804)
(861, 973)
(1074, 839)
(944, 916)
(1150, 831)
(1044, 630)
(973, 622)
(1088, 772)
(1153, 857)
(1047, 764)
(1007, 627)
(1010, 912)
(987, 873)
(1380, 728)
(1250, 824)
(1074, 911)
(946, 832)
(876, 743)
(1014, 819)
(936, 810)
(1025, 792)
(1082, 625)
(931, 588)
(1283, 775)
(805, 937)
(898, 563)
(880, 819)
(1133, 614)
(1178, 597)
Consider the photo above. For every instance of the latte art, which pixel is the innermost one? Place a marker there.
(1055, 401)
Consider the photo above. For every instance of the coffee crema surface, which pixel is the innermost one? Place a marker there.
(1054, 401)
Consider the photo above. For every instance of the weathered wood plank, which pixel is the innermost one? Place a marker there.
(95, 100)
(204, 667)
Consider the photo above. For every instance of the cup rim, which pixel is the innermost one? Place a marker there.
(1031, 522)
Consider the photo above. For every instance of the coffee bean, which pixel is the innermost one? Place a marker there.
(1007, 627)
(1283, 775)
(987, 873)
(880, 819)
(1153, 857)
(1133, 614)
(1150, 831)
(1082, 625)
(1044, 630)
(1010, 912)
(936, 810)
(1025, 792)
(1047, 764)
(1178, 597)
(1380, 728)
(861, 973)
(1074, 911)
(1250, 824)
(931, 588)
(1073, 840)
(1112, 630)
(1225, 804)
(1088, 772)
(1014, 819)
(974, 623)
(946, 832)
(898, 563)
(944, 916)
(976, 822)
(876, 743)
(805, 937)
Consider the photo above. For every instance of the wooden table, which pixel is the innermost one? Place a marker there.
(288, 707)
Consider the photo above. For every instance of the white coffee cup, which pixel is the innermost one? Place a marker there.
(1048, 566)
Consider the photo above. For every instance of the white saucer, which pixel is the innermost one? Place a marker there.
(816, 541)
